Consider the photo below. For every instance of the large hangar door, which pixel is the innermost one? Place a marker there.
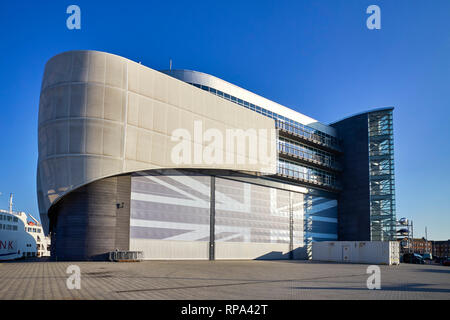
(251, 221)
(170, 215)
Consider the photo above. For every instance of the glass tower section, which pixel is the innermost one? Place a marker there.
(381, 176)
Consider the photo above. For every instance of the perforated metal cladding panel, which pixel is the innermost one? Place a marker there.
(175, 205)
(263, 215)
(102, 115)
(251, 213)
(170, 207)
(297, 200)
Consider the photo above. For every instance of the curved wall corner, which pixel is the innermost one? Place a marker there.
(101, 115)
(92, 220)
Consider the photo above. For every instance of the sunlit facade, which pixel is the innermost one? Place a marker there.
(106, 180)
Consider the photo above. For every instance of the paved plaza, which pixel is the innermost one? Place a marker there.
(220, 280)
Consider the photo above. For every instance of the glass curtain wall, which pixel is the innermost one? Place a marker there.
(382, 182)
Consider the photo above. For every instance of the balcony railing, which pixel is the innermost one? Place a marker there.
(310, 178)
(309, 135)
(126, 256)
(309, 157)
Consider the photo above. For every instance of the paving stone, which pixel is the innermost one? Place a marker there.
(220, 280)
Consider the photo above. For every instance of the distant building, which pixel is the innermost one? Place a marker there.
(421, 246)
(441, 248)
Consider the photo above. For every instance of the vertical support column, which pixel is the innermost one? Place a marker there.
(212, 222)
(291, 227)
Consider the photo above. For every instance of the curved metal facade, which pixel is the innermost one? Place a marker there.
(101, 115)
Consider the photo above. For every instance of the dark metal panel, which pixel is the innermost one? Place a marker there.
(354, 200)
(90, 221)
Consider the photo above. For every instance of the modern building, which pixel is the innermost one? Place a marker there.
(183, 165)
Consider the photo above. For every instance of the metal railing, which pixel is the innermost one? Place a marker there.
(309, 134)
(126, 256)
(317, 179)
(297, 152)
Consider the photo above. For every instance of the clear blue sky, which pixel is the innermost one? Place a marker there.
(314, 56)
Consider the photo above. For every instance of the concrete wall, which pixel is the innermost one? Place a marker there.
(101, 115)
(195, 250)
(258, 251)
(167, 249)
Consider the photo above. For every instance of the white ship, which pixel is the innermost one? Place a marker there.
(21, 237)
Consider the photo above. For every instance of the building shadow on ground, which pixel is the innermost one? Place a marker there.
(412, 287)
(435, 270)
